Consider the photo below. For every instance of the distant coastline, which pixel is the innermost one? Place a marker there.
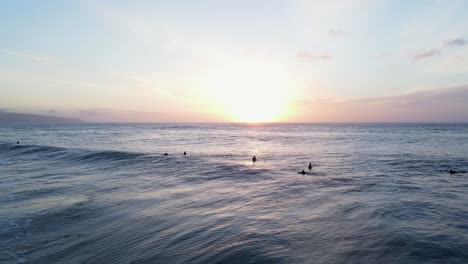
(29, 118)
(23, 118)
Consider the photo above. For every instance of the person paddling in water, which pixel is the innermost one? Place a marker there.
(302, 172)
(454, 172)
(254, 159)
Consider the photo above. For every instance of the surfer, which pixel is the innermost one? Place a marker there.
(453, 172)
(254, 159)
(165, 154)
(310, 166)
(185, 153)
(302, 172)
(17, 142)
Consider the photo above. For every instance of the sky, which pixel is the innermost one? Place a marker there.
(236, 61)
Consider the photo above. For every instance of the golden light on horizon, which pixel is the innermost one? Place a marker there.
(251, 92)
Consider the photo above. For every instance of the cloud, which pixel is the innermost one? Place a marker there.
(456, 42)
(38, 58)
(89, 112)
(148, 30)
(337, 33)
(310, 56)
(98, 115)
(157, 83)
(447, 104)
(426, 54)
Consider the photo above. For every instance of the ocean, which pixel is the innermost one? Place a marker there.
(104, 193)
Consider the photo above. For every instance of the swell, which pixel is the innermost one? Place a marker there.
(193, 169)
(60, 153)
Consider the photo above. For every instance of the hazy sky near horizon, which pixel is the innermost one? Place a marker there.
(297, 61)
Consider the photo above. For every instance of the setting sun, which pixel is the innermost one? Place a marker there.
(251, 92)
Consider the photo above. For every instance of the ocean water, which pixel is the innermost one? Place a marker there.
(377, 193)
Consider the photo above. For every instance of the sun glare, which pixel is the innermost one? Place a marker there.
(251, 93)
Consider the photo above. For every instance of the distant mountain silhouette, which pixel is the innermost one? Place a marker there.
(20, 118)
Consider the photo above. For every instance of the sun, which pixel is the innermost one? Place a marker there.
(250, 92)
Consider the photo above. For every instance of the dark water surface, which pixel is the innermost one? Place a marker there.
(105, 194)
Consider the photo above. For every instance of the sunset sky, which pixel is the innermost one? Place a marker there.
(241, 61)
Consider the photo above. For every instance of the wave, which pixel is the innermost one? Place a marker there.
(192, 169)
(28, 149)
(70, 154)
(109, 155)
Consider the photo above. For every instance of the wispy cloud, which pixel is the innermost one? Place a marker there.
(156, 83)
(444, 104)
(456, 42)
(89, 112)
(123, 116)
(426, 54)
(28, 56)
(310, 56)
(337, 33)
(148, 30)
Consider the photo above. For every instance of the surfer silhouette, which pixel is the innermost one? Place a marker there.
(302, 172)
(17, 142)
(310, 166)
(185, 153)
(453, 172)
(165, 154)
(254, 159)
